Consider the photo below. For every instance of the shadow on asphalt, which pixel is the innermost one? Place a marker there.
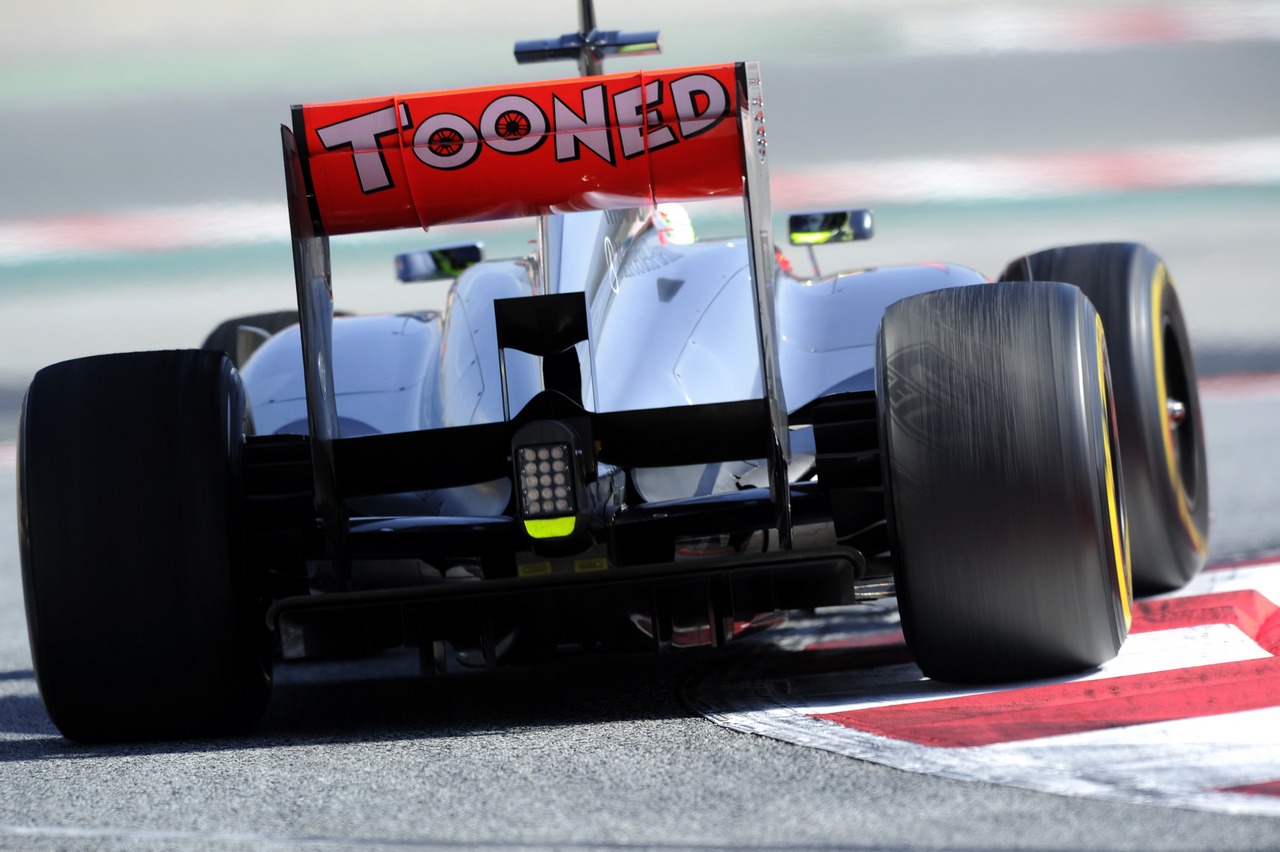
(378, 701)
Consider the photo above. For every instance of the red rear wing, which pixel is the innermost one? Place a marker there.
(587, 143)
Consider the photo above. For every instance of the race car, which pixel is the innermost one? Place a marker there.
(629, 438)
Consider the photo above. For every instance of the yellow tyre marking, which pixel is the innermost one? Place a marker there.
(1119, 543)
(1162, 397)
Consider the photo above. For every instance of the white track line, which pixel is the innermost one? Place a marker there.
(1192, 762)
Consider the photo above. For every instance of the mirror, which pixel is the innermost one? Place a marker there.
(436, 264)
(830, 226)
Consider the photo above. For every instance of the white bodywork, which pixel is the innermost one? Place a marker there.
(670, 325)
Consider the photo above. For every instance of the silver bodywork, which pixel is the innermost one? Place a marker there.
(669, 325)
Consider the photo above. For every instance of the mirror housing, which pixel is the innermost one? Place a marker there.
(830, 226)
(438, 264)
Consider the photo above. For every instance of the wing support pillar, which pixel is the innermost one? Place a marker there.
(763, 265)
(313, 277)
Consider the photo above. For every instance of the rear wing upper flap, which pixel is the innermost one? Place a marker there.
(619, 140)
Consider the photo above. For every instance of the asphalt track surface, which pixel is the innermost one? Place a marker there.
(602, 753)
(585, 753)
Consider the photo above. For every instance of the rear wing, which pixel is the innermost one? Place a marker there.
(597, 143)
(532, 149)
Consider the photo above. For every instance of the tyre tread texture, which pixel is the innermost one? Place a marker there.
(143, 620)
(992, 423)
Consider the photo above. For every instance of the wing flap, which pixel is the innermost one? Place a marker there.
(590, 143)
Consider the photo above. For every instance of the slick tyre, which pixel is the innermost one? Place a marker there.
(143, 618)
(1157, 401)
(1003, 490)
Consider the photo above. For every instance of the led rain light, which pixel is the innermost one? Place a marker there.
(546, 481)
(550, 497)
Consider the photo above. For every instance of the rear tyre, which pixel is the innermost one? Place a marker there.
(1157, 401)
(144, 620)
(1002, 486)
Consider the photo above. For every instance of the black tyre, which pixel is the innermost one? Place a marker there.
(144, 620)
(1157, 401)
(224, 337)
(1003, 492)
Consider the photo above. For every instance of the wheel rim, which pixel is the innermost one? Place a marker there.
(1180, 416)
(1180, 433)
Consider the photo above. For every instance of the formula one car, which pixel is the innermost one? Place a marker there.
(629, 438)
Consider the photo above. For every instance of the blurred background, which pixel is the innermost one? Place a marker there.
(142, 196)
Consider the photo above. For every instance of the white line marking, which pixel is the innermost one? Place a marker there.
(246, 840)
(1045, 768)
(1142, 653)
(1212, 752)
(1185, 762)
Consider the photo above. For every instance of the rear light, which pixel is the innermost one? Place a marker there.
(548, 473)
(546, 481)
